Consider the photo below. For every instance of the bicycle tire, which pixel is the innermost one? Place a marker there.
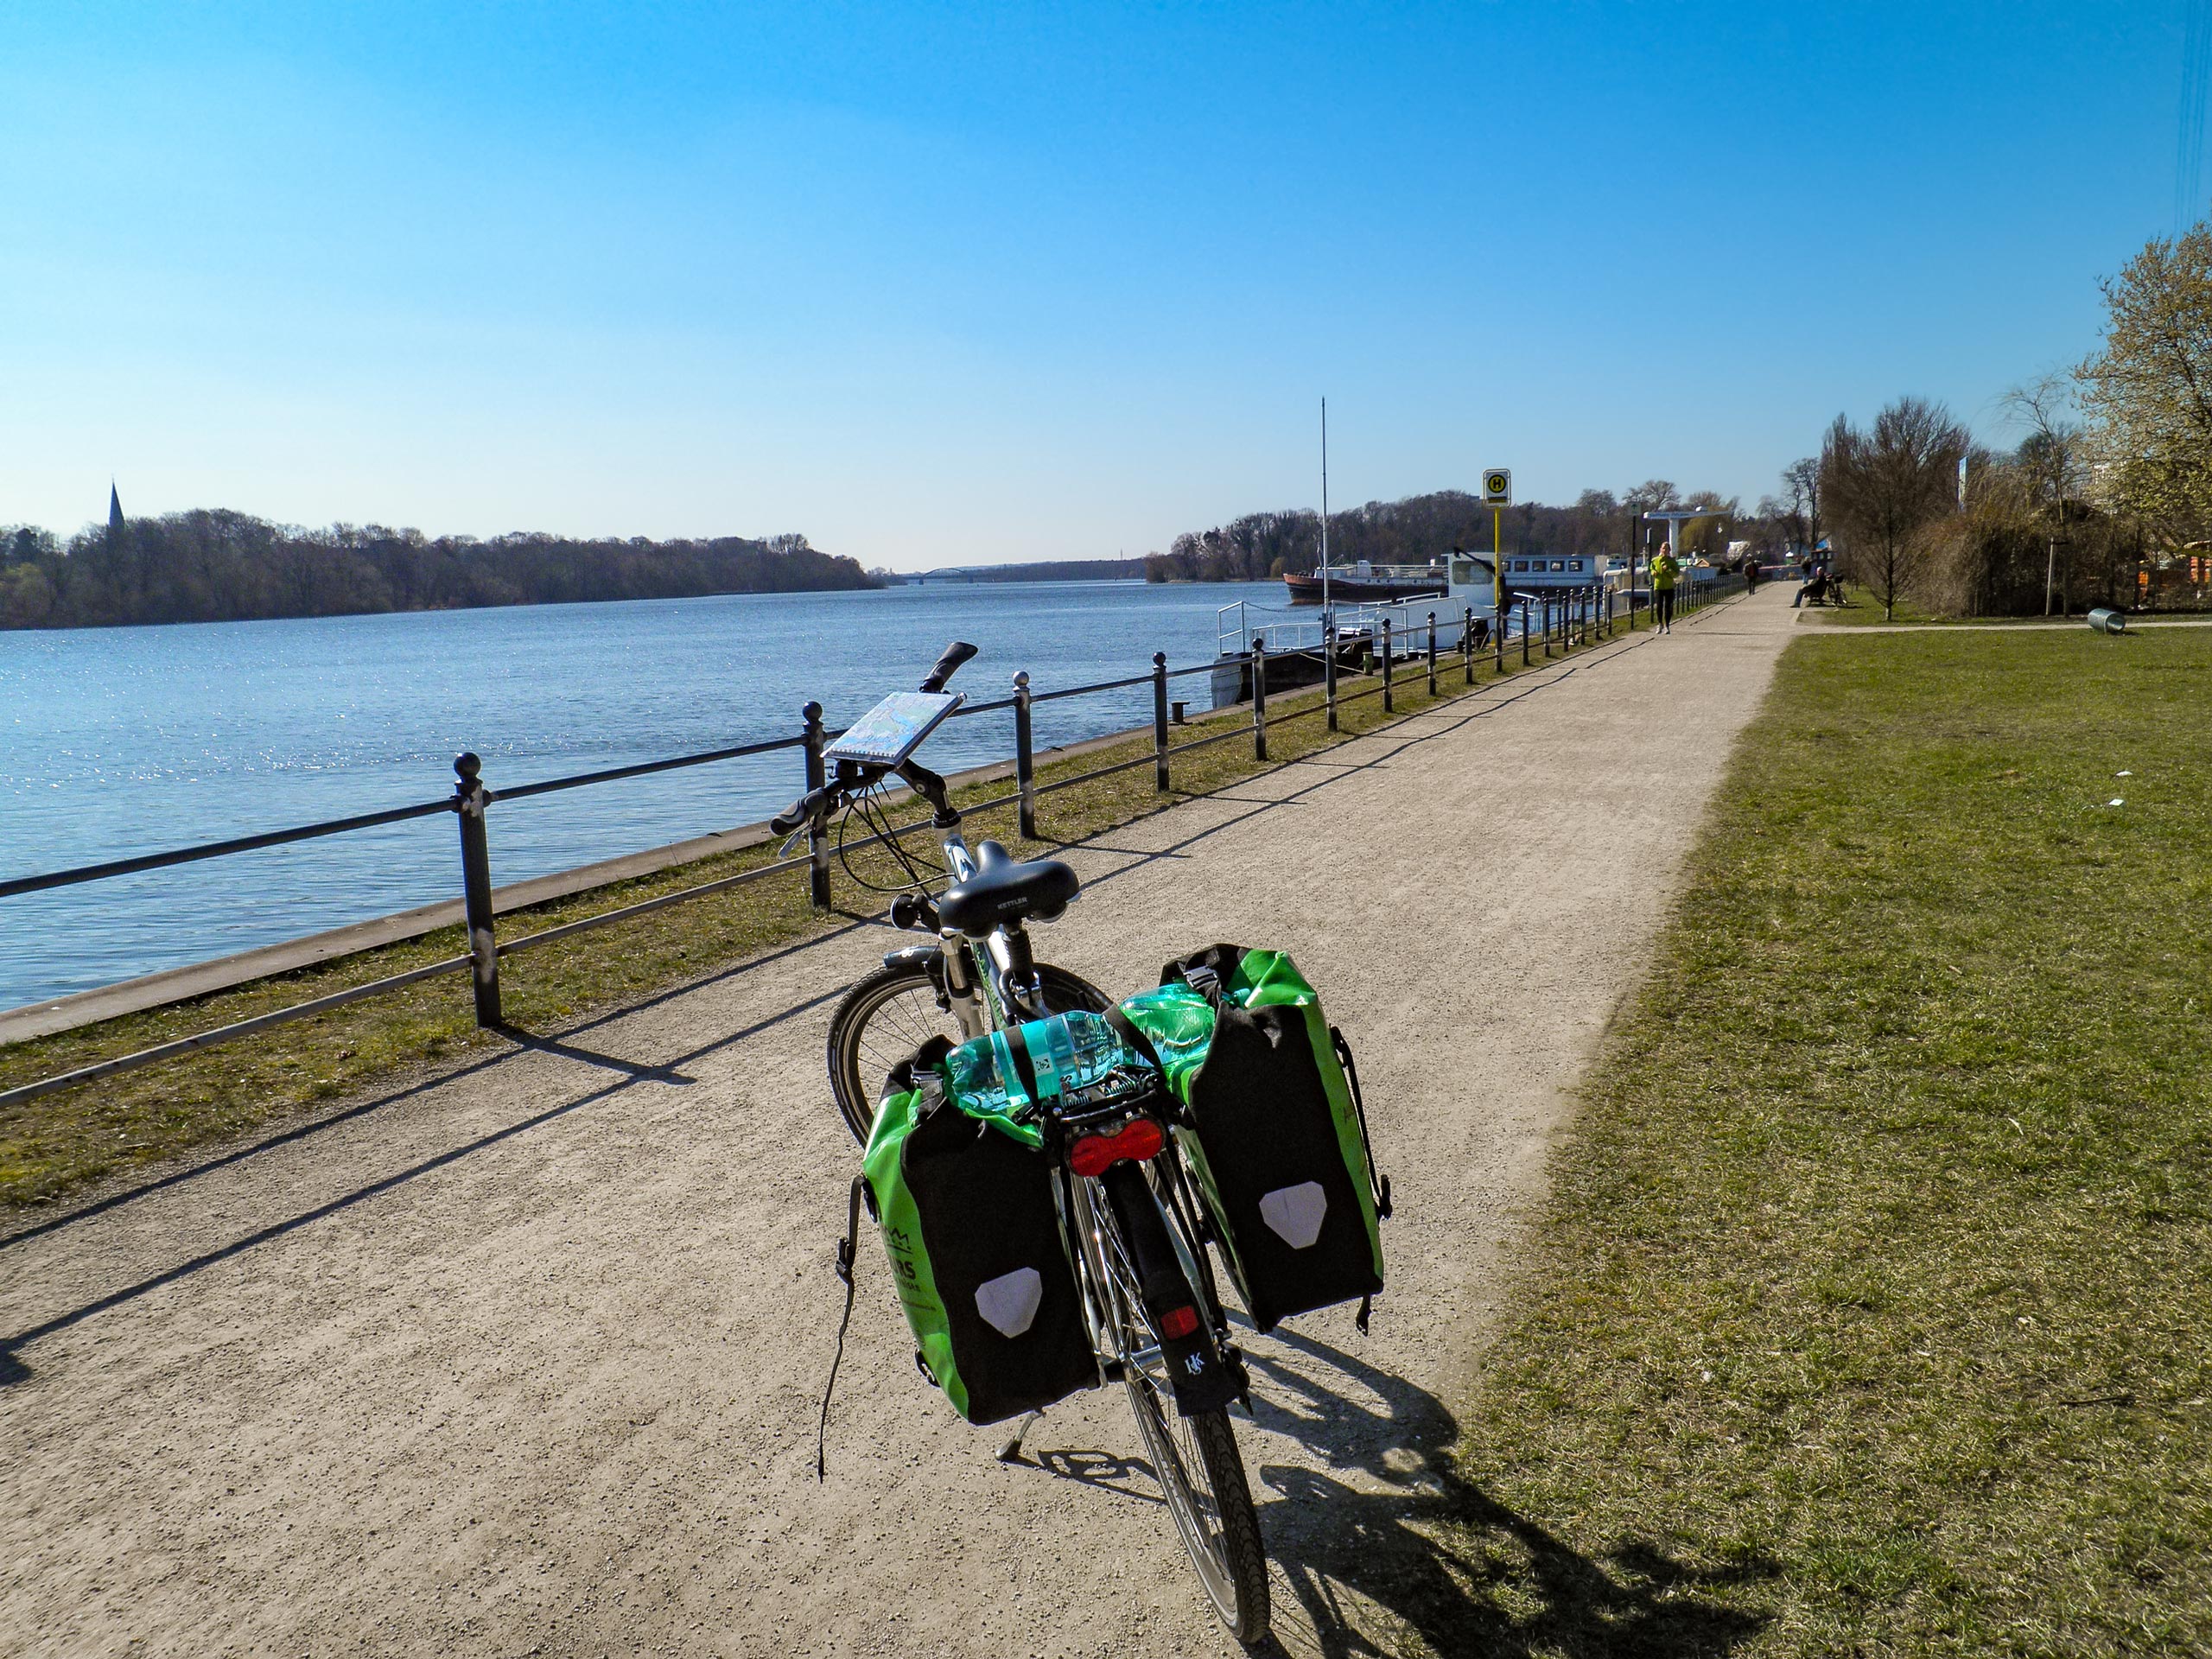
(1219, 1527)
(893, 1011)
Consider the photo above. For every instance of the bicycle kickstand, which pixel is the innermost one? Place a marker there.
(1011, 1451)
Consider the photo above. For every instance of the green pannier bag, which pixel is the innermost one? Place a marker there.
(1277, 1132)
(964, 1197)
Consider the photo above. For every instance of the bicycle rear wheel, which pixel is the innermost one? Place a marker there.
(894, 1012)
(1201, 1473)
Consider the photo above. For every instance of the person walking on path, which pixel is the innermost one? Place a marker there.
(1665, 572)
(1750, 576)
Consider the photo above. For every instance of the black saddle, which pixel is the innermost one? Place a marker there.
(1005, 889)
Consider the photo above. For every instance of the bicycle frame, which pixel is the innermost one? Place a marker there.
(988, 981)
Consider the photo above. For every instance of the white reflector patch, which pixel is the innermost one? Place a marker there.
(1008, 1303)
(1295, 1212)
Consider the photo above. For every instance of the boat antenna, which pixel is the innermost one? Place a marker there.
(1327, 619)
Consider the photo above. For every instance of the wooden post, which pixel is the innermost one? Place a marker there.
(470, 798)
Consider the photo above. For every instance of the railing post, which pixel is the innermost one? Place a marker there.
(1386, 666)
(470, 798)
(1329, 664)
(1159, 720)
(817, 844)
(1259, 697)
(1467, 643)
(1431, 653)
(1546, 603)
(1526, 617)
(1025, 761)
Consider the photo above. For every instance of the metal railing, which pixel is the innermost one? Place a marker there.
(1558, 621)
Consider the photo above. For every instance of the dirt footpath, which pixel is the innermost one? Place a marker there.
(526, 1359)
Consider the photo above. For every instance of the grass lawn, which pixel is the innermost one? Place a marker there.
(1870, 1312)
(58, 1142)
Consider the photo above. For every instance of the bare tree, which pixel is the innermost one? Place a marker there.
(1802, 479)
(2050, 453)
(2050, 461)
(1885, 485)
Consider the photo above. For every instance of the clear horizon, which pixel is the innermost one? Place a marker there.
(1008, 285)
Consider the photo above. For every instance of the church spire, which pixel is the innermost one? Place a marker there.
(114, 512)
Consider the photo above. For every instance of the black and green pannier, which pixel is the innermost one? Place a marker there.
(1276, 1135)
(964, 1198)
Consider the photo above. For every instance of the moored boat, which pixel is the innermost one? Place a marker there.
(1362, 583)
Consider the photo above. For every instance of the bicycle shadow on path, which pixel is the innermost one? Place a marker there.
(1395, 1548)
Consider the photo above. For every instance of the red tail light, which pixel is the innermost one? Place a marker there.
(1138, 1140)
(1178, 1323)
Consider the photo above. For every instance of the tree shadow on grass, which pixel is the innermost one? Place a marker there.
(1393, 1548)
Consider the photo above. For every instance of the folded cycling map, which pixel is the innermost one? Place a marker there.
(894, 729)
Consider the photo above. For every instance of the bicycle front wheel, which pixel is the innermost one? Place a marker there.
(895, 1010)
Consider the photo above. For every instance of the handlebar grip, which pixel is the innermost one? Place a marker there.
(948, 665)
(802, 811)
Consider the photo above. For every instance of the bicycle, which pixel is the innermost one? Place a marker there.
(1150, 1299)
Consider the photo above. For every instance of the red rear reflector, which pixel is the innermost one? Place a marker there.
(1178, 1323)
(1137, 1141)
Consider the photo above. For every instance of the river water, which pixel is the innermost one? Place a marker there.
(120, 741)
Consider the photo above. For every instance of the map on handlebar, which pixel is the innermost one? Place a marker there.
(894, 729)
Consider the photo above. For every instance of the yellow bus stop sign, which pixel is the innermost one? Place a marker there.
(1497, 486)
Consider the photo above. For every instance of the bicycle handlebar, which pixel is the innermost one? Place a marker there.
(815, 807)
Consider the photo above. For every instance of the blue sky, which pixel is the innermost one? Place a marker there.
(965, 284)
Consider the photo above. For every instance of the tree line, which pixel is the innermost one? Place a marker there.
(219, 565)
(1419, 528)
(2104, 499)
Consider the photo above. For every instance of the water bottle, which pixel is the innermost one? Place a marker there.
(1077, 1057)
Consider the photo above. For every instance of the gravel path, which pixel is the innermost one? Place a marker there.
(526, 1358)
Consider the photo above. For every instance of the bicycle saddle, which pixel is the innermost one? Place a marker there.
(1005, 889)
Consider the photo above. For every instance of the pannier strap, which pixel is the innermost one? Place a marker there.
(1024, 1068)
(1217, 963)
(1381, 1182)
(847, 1247)
(1126, 1029)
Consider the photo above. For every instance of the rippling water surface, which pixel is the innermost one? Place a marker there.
(117, 741)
